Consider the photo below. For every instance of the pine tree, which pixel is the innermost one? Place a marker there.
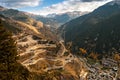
(10, 69)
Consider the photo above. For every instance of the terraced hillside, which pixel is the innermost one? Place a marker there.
(41, 54)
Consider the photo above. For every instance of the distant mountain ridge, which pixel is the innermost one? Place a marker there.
(65, 17)
(56, 20)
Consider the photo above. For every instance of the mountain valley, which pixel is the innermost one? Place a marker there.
(69, 46)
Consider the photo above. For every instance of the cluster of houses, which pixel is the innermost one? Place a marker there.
(109, 73)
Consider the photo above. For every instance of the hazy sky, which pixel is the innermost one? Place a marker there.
(45, 7)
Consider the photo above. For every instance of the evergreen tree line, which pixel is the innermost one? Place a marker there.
(10, 69)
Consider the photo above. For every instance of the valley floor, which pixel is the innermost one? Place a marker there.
(41, 57)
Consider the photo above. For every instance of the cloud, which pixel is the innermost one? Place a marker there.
(91, 0)
(71, 5)
(19, 3)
